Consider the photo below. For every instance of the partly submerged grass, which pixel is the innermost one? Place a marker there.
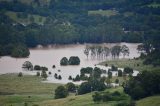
(136, 64)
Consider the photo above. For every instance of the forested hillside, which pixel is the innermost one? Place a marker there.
(32, 22)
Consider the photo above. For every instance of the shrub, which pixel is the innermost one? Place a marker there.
(120, 73)
(38, 74)
(59, 77)
(85, 87)
(128, 70)
(64, 61)
(37, 67)
(70, 87)
(61, 92)
(117, 81)
(20, 74)
(74, 60)
(49, 73)
(44, 74)
(97, 97)
(70, 78)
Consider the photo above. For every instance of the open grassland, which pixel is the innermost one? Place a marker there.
(149, 101)
(107, 13)
(136, 64)
(37, 19)
(81, 100)
(18, 90)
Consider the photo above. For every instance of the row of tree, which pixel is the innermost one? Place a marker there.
(102, 52)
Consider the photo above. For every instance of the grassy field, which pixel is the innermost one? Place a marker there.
(107, 13)
(133, 63)
(17, 90)
(37, 19)
(81, 100)
(149, 101)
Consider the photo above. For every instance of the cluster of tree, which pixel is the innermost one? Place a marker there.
(107, 96)
(73, 60)
(37, 67)
(56, 76)
(63, 91)
(143, 85)
(102, 52)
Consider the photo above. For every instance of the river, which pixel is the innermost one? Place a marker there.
(52, 54)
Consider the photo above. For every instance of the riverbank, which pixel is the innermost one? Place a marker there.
(136, 64)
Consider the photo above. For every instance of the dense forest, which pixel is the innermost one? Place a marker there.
(26, 23)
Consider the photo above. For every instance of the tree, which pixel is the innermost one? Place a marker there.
(61, 92)
(74, 60)
(120, 73)
(55, 76)
(37, 67)
(115, 51)
(70, 87)
(44, 74)
(20, 74)
(59, 77)
(70, 78)
(117, 81)
(28, 65)
(85, 87)
(38, 74)
(128, 70)
(64, 61)
(125, 50)
(20, 51)
(97, 97)
(86, 51)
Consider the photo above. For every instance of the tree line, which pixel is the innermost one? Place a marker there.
(102, 52)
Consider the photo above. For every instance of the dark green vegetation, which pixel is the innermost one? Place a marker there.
(73, 60)
(33, 22)
(144, 85)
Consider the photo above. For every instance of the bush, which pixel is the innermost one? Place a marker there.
(85, 87)
(97, 97)
(49, 73)
(70, 87)
(70, 78)
(64, 61)
(74, 60)
(128, 70)
(59, 77)
(53, 66)
(37, 67)
(44, 68)
(117, 81)
(61, 92)
(114, 68)
(38, 74)
(44, 74)
(20, 74)
(20, 51)
(120, 73)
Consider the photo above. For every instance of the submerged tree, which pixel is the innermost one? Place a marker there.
(86, 51)
(125, 50)
(28, 65)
